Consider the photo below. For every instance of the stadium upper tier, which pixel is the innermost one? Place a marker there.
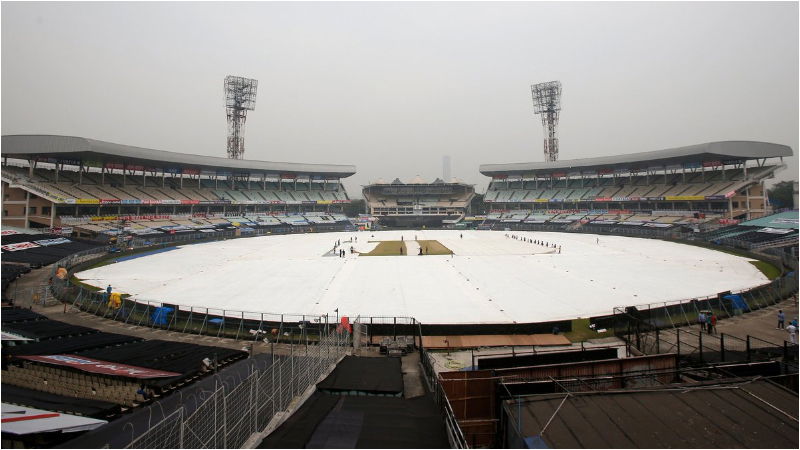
(707, 185)
(87, 188)
(716, 177)
(70, 170)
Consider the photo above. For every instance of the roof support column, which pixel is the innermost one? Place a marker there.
(52, 214)
(27, 202)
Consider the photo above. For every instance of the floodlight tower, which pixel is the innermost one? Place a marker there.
(547, 102)
(240, 97)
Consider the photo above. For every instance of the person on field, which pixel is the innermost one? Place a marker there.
(792, 329)
(701, 319)
(781, 320)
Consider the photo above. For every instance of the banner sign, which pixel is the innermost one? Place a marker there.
(776, 230)
(602, 199)
(288, 176)
(732, 162)
(110, 200)
(131, 201)
(784, 220)
(692, 165)
(135, 168)
(500, 177)
(684, 197)
(19, 246)
(658, 225)
(715, 197)
(66, 231)
(92, 163)
(605, 171)
(70, 162)
(172, 170)
(191, 171)
(87, 201)
(9, 232)
(57, 241)
(712, 163)
(189, 202)
(114, 166)
(102, 367)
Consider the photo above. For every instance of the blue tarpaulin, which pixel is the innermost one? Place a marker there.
(217, 321)
(738, 302)
(160, 315)
(535, 442)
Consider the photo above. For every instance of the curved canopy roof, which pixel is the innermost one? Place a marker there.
(83, 149)
(711, 151)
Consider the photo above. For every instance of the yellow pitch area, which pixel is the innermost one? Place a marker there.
(388, 248)
(433, 248)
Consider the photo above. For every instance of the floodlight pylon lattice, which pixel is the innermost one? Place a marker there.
(547, 103)
(240, 97)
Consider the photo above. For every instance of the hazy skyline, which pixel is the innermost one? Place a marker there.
(393, 87)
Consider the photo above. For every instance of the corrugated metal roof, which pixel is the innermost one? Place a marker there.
(71, 147)
(744, 415)
(725, 150)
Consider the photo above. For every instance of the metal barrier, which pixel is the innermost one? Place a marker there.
(231, 415)
(454, 432)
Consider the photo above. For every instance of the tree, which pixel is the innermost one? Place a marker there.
(781, 194)
(355, 207)
(477, 206)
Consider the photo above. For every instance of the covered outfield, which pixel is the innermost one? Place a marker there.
(492, 278)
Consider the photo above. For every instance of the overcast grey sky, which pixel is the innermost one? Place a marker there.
(392, 87)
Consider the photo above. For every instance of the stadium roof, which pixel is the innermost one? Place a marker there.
(726, 151)
(70, 148)
(783, 220)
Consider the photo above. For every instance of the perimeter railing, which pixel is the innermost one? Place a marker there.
(454, 432)
(232, 415)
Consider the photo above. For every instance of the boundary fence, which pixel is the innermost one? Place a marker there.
(231, 415)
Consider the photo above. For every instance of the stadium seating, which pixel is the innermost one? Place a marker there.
(93, 186)
(41, 249)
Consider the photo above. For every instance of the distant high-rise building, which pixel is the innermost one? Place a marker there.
(446, 168)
